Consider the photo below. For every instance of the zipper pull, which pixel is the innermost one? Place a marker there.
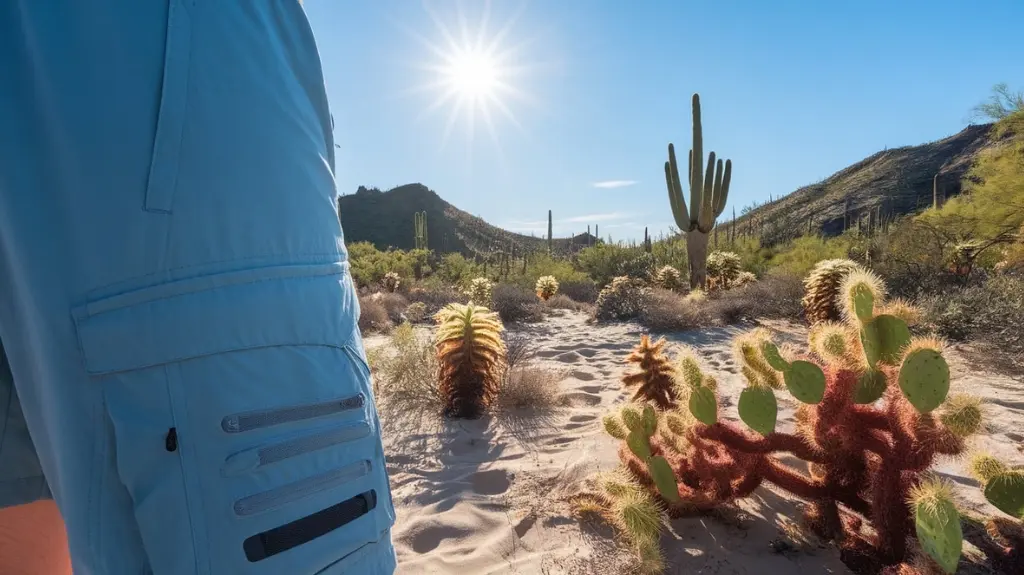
(171, 441)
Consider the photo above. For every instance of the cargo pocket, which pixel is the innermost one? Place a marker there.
(244, 424)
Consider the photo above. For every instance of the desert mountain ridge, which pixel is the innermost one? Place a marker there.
(887, 184)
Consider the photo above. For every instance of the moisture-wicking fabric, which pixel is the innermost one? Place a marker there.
(182, 369)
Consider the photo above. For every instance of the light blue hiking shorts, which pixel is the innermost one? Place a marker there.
(183, 370)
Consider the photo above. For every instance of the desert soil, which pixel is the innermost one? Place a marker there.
(489, 496)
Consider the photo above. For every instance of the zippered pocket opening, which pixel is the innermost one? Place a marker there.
(294, 491)
(242, 422)
(252, 459)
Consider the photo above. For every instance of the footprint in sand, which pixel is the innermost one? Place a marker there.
(582, 375)
(491, 482)
(430, 538)
(573, 399)
(568, 357)
(548, 353)
(587, 352)
(593, 389)
(582, 418)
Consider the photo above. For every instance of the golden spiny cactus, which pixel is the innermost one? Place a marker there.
(471, 357)
(822, 287)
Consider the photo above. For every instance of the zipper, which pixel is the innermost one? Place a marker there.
(285, 494)
(252, 459)
(241, 422)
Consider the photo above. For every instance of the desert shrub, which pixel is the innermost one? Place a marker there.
(395, 305)
(640, 266)
(480, 290)
(373, 316)
(665, 311)
(669, 278)
(622, 299)
(776, 296)
(528, 386)
(368, 265)
(991, 313)
(519, 348)
(435, 296)
(799, 256)
(515, 304)
(546, 287)
(561, 301)
(470, 357)
(604, 261)
(405, 378)
(723, 268)
(454, 269)
(583, 291)
(390, 282)
(416, 312)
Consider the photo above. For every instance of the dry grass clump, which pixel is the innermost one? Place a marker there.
(561, 301)
(665, 311)
(373, 316)
(405, 374)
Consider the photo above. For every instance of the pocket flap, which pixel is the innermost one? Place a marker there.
(272, 306)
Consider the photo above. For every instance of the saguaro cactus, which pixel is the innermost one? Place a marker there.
(551, 241)
(709, 190)
(420, 228)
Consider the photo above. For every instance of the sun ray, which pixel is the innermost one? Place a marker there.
(474, 72)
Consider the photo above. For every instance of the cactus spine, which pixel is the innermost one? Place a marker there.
(709, 191)
(420, 229)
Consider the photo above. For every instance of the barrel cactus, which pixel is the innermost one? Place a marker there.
(723, 269)
(669, 278)
(391, 281)
(547, 287)
(822, 288)
(471, 358)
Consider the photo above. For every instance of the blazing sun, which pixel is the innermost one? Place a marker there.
(474, 74)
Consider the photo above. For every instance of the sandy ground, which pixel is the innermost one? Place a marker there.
(488, 496)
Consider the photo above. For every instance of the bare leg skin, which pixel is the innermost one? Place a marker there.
(32, 540)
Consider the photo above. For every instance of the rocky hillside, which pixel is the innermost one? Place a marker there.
(884, 185)
(386, 220)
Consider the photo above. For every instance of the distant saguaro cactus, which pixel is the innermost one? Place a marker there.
(708, 193)
(420, 229)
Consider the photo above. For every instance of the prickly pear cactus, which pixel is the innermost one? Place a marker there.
(937, 523)
(822, 289)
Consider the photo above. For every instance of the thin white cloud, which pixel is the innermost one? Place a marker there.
(611, 184)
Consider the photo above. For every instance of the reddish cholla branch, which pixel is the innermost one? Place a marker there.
(867, 459)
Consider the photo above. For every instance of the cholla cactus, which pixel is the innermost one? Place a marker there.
(391, 281)
(547, 287)
(744, 278)
(479, 291)
(416, 311)
(723, 269)
(669, 278)
(866, 454)
(622, 299)
(822, 288)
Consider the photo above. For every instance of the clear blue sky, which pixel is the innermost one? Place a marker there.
(791, 90)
